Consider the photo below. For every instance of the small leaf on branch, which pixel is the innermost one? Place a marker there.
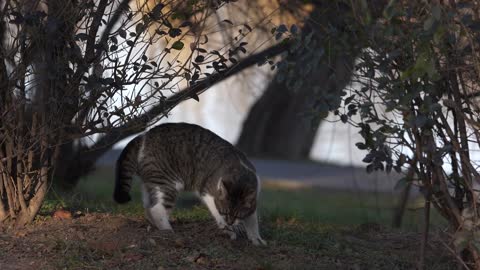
(195, 96)
(185, 24)
(294, 29)
(156, 11)
(177, 45)
(282, 28)
(174, 32)
(160, 32)
(139, 28)
(195, 76)
(361, 146)
(122, 33)
(199, 59)
(349, 99)
(81, 36)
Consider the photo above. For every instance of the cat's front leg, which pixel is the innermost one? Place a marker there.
(251, 227)
(210, 203)
(229, 230)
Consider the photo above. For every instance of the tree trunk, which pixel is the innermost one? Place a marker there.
(26, 160)
(28, 215)
(276, 126)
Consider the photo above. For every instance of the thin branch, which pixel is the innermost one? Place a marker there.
(138, 124)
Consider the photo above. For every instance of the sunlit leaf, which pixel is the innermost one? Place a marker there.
(199, 59)
(177, 45)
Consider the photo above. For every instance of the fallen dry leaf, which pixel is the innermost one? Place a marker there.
(105, 246)
(179, 243)
(62, 214)
(201, 259)
(132, 257)
(20, 233)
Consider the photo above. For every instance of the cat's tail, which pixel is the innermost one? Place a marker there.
(125, 169)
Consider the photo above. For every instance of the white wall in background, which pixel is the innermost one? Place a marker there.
(223, 108)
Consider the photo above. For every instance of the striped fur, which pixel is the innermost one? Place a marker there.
(176, 156)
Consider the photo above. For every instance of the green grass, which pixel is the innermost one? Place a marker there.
(312, 205)
(307, 228)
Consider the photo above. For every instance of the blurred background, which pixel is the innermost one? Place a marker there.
(329, 184)
(310, 168)
(359, 116)
(309, 162)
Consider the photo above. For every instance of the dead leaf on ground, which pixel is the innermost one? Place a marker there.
(179, 243)
(132, 257)
(202, 260)
(105, 246)
(62, 214)
(199, 258)
(21, 233)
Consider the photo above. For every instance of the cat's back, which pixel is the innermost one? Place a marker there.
(188, 137)
(192, 152)
(181, 131)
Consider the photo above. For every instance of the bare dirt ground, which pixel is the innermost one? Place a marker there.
(106, 241)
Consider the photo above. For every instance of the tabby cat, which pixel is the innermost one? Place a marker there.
(178, 156)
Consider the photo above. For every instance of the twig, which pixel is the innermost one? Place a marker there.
(423, 247)
(402, 205)
(455, 255)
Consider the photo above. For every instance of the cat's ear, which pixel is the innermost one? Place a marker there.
(222, 190)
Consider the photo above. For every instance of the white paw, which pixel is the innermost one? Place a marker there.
(163, 226)
(257, 241)
(229, 231)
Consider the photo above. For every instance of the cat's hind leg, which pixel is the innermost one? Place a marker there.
(251, 227)
(157, 209)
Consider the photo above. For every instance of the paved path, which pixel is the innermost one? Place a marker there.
(310, 173)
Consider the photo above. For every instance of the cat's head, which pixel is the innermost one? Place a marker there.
(237, 198)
